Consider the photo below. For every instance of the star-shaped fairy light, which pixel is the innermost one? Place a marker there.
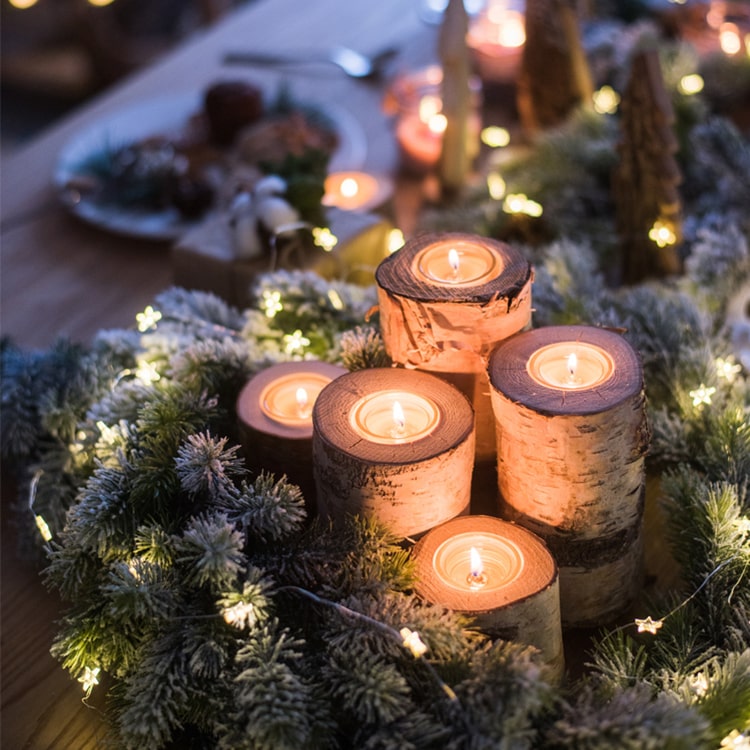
(295, 342)
(606, 100)
(240, 615)
(648, 625)
(691, 84)
(413, 642)
(699, 684)
(518, 203)
(324, 238)
(728, 368)
(702, 395)
(496, 186)
(662, 233)
(736, 740)
(147, 372)
(271, 302)
(395, 240)
(335, 299)
(89, 679)
(147, 319)
(495, 137)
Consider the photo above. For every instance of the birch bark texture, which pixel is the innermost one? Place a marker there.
(269, 442)
(571, 468)
(450, 329)
(409, 486)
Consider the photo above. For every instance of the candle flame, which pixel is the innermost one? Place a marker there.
(302, 398)
(477, 568)
(454, 260)
(512, 31)
(437, 123)
(729, 38)
(429, 106)
(349, 187)
(572, 365)
(399, 419)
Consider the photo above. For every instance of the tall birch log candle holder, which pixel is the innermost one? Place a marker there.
(500, 574)
(385, 441)
(274, 412)
(445, 301)
(571, 441)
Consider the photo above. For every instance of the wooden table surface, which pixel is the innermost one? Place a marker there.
(62, 277)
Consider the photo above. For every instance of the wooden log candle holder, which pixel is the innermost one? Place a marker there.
(445, 301)
(274, 412)
(393, 444)
(499, 573)
(571, 440)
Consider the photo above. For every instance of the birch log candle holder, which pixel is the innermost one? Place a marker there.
(571, 440)
(445, 301)
(384, 440)
(499, 573)
(274, 411)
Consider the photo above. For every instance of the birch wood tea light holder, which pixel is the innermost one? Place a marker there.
(499, 573)
(274, 411)
(445, 301)
(571, 443)
(395, 445)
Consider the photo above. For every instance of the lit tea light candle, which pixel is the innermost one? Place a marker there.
(445, 300)
(571, 440)
(415, 98)
(383, 439)
(496, 38)
(462, 262)
(569, 366)
(499, 573)
(274, 411)
(394, 417)
(356, 191)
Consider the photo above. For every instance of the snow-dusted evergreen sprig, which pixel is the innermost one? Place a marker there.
(206, 466)
(268, 510)
(362, 348)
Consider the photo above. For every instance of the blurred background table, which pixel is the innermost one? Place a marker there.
(63, 278)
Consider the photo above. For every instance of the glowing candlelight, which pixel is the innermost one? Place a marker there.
(356, 191)
(458, 263)
(496, 38)
(286, 400)
(394, 417)
(476, 577)
(556, 366)
(302, 402)
(730, 39)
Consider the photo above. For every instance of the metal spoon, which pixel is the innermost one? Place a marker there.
(353, 63)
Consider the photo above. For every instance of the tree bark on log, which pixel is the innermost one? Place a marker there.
(571, 468)
(410, 487)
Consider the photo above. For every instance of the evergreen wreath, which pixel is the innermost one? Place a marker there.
(223, 617)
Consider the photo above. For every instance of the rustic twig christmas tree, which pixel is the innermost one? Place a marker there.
(554, 75)
(647, 175)
(454, 55)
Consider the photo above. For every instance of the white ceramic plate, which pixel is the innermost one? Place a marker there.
(157, 116)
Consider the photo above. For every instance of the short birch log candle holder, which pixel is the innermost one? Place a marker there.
(274, 412)
(395, 445)
(571, 441)
(445, 301)
(499, 573)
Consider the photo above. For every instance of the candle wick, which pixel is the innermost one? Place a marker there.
(476, 580)
(572, 368)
